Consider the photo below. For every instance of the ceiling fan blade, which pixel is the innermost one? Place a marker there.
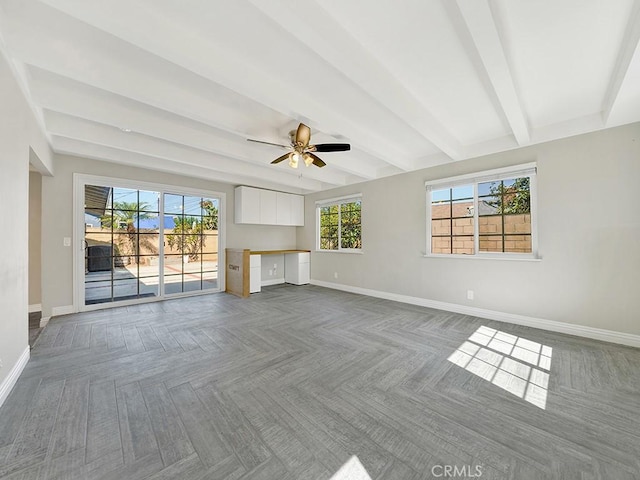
(280, 159)
(317, 161)
(267, 143)
(332, 147)
(303, 135)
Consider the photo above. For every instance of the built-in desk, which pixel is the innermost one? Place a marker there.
(275, 252)
(244, 269)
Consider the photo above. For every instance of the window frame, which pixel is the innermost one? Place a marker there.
(338, 201)
(528, 170)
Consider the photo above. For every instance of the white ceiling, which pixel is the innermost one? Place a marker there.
(409, 83)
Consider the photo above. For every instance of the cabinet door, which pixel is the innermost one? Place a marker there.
(255, 273)
(268, 207)
(296, 268)
(283, 208)
(297, 210)
(247, 207)
(304, 274)
(291, 268)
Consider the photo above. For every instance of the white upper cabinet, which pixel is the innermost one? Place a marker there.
(297, 210)
(283, 208)
(247, 205)
(266, 207)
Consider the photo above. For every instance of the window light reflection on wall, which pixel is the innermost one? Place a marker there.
(512, 363)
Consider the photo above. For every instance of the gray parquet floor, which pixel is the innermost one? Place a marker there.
(292, 382)
(34, 327)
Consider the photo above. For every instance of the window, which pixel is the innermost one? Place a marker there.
(487, 214)
(340, 224)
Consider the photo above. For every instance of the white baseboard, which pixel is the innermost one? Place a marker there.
(36, 307)
(550, 325)
(44, 321)
(63, 310)
(275, 281)
(7, 385)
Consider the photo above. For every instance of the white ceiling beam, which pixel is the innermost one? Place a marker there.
(331, 41)
(216, 63)
(75, 147)
(107, 73)
(74, 128)
(124, 81)
(629, 51)
(102, 107)
(486, 47)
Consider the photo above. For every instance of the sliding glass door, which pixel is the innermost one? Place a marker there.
(191, 243)
(140, 244)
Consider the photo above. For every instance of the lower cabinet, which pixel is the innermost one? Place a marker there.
(255, 273)
(296, 268)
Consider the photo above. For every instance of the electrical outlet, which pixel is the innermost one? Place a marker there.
(0, 363)
(66, 241)
(335, 274)
(275, 265)
(469, 294)
(270, 272)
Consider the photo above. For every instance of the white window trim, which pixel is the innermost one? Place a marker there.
(333, 201)
(523, 170)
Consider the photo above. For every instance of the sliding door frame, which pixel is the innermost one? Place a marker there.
(79, 182)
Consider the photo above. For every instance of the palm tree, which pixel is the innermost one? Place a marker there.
(123, 214)
(123, 218)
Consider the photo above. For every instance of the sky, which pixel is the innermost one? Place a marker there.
(173, 205)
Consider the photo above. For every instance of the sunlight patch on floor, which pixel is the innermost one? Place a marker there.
(352, 470)
(515, 364)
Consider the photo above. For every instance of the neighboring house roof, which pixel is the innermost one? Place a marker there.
(95, 199)
(463, 209)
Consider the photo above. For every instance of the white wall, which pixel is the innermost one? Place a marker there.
(589, 237)
(57, 223)
(267, 263)
(18, 131)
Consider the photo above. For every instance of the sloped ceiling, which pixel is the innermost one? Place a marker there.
(179, 86)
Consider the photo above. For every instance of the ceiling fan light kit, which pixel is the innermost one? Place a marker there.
(302, 151)
(307, 160)
(295, 158)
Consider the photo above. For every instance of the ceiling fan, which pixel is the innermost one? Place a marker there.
(301, 151)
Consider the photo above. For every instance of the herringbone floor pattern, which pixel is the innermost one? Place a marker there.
(293, 381)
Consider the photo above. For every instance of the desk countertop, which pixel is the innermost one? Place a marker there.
(273, 252)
